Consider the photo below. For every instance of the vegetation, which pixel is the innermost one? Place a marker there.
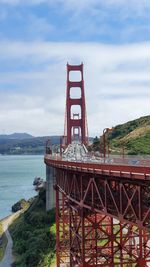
(3, 242)
(96, 144)
(33, 234)
(21, 204)
(19, 136)
(25, 144)
(31, 146)
(133, 136)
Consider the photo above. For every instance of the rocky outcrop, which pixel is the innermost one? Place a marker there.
(38, 183)
(21, 204)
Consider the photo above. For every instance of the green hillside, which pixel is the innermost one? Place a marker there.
(133, 136)
(33, 235)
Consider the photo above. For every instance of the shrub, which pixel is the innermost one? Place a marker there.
(34, 241)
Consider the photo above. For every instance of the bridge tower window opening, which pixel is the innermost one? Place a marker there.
(75, 112)
(76, 134)
(75, 93)
(76, 130)
(75, 76)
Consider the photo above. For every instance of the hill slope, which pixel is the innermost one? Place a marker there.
(134, 136)
(15, 144)
(33, 235)
(18, 136)
(32, 145)
(124, 129)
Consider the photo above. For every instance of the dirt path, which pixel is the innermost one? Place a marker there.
(8, 257)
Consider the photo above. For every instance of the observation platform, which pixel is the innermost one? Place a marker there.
(77, 158)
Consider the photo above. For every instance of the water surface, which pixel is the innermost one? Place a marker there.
(16, 177)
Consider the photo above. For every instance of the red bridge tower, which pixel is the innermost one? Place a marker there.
(75, 123)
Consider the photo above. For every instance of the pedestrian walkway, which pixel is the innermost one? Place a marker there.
(8, 258)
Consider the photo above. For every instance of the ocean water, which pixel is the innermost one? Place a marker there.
(16, 178)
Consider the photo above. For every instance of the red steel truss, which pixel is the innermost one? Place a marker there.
(62, 226)
(78, 122)
(102, 221)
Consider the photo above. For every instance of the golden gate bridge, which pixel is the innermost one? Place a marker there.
(102, 206)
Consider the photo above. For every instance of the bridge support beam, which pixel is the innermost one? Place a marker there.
(86, 236)
(62, 230)
(50, 192)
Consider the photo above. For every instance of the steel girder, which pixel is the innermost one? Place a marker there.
(88, 234)
(62, 226)
(123, 199)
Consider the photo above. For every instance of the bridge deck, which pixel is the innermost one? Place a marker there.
(113, 170)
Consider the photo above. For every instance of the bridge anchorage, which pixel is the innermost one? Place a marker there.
(102, 207)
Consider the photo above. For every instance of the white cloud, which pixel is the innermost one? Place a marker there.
(116, 91)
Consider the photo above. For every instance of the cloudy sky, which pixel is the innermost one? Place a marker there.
(38, 38)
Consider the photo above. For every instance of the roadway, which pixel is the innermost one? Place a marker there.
(76, 157)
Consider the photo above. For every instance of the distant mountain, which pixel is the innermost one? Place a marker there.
(134, 136)
(18, 136)
(28, 145)
(23, 143)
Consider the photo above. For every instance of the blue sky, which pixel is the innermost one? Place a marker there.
(38, 37)
(111, 21)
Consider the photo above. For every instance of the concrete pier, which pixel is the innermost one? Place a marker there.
(50, 192)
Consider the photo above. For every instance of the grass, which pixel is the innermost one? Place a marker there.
(3, 243)
(134, 136)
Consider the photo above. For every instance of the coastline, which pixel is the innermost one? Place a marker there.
(17, 179)
(11, 217)
(8, 257)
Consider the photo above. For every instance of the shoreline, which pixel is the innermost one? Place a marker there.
(11, 216)
(8, 257)
(5, 218)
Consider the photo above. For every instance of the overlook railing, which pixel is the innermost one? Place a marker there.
(112, 160)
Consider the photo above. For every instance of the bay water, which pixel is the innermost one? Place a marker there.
(16, 179)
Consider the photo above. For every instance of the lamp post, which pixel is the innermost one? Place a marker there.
(105, 131)
(60, 146)
(48, 147)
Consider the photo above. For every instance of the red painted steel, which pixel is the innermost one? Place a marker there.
(106, 220)
(62, 226)
(70, 121)
(120, 171)
(123, 199)
(102, 209)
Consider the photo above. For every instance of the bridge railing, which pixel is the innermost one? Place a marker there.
(113, 160)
